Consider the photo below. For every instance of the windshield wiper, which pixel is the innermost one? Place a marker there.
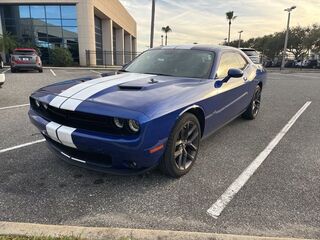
(159, 74)
(122, 70)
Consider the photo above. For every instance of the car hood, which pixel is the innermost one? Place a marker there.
(139, 92)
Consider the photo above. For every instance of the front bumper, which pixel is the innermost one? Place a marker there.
(102, 152)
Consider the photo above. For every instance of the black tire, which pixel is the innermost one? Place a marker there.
(254, 106)
(182, 146)
(13, 70)
(40, 70)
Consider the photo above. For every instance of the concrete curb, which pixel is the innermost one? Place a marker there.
(288, 71)
(97, 233)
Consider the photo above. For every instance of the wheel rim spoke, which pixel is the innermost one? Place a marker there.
(178, 152)
(180, 161)
(193, 137)
(194, 127)
(192, 146)
(184, 162)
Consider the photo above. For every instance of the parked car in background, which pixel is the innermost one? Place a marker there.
(312, 64)
(252, 54)
(290, 63)
(154, 113)
(25, 59)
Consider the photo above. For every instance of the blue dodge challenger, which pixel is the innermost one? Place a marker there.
(151, 113)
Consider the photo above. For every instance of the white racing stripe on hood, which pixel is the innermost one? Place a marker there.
(58, 100)
(72, 103)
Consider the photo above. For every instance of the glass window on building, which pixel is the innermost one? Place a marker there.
(98, 36)
(42, 26)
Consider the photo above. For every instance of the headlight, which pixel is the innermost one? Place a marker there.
(134, 125)
(38, 104)
(118, 122)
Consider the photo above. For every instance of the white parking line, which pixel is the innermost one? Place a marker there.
(15, 106)
(95, 72)
(21, 146)
(53, 73)
(216, 209)
(5, 70)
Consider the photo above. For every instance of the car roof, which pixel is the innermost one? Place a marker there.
(208, 47)
(25, 49)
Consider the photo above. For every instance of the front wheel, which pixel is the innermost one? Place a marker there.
(182, 147)
(254, 107)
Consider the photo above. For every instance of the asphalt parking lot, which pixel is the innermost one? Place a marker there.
(282, 198)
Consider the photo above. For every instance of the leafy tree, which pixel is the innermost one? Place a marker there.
(166, 30)
(298, 43)
(313, 41)
(61, 57)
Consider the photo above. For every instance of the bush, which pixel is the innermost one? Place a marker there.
(61, 57)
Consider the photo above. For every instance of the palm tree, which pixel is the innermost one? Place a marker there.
(166, 30)
(8, 42)
(230, 17)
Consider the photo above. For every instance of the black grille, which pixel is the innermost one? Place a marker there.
(100, 160)
(86, 121)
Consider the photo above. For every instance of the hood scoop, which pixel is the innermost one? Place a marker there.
(130, 88)
(138, 84)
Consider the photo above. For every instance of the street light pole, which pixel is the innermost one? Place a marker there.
(287, 36)
(152, 23)
(239, 38)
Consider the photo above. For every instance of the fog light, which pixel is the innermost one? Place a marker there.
(118, 122)
(134, 125)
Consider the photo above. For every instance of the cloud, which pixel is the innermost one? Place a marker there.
(204, 21)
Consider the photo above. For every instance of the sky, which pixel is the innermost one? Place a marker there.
(204, 21)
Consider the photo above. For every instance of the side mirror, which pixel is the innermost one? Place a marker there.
(232, 73)
(235, 73)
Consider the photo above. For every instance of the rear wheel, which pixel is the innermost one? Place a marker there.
(40, 70)
(13, 70)
(182, 147)
(254, 107)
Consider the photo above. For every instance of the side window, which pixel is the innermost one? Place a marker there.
(230, 60)
(226, 62)
(242, 62)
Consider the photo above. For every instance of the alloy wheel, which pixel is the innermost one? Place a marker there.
(256, 102)
(186, 146)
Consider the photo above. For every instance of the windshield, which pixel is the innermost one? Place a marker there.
(174, 62)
